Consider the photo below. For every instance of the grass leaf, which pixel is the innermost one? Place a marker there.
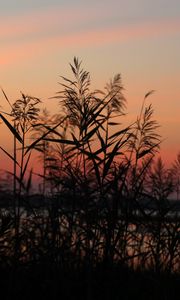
(11, 128)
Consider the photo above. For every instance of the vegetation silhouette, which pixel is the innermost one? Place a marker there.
(103, 225)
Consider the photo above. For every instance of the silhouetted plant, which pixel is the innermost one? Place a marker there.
(92, 169)
(176, 175)
(105, 199)
(24, 113)
(45, 122)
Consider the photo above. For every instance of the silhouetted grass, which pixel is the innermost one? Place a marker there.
(103, 225)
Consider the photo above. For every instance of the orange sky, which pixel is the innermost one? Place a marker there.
(138, 38)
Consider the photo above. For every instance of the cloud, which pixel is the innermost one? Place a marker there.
(26, 49)
(48, 20)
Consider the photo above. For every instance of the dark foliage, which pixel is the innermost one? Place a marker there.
(103, 225)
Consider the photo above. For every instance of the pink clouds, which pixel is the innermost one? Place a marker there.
(42, 22)
(14, 52)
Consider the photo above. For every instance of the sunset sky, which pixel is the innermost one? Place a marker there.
(138, 38)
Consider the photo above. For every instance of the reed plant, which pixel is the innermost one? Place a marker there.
(105, 197)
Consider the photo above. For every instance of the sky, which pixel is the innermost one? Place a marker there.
(138, 38)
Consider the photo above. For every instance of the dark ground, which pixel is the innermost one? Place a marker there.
(46, 281)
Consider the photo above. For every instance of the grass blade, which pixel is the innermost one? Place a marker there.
(11, 128)
(9, 155)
